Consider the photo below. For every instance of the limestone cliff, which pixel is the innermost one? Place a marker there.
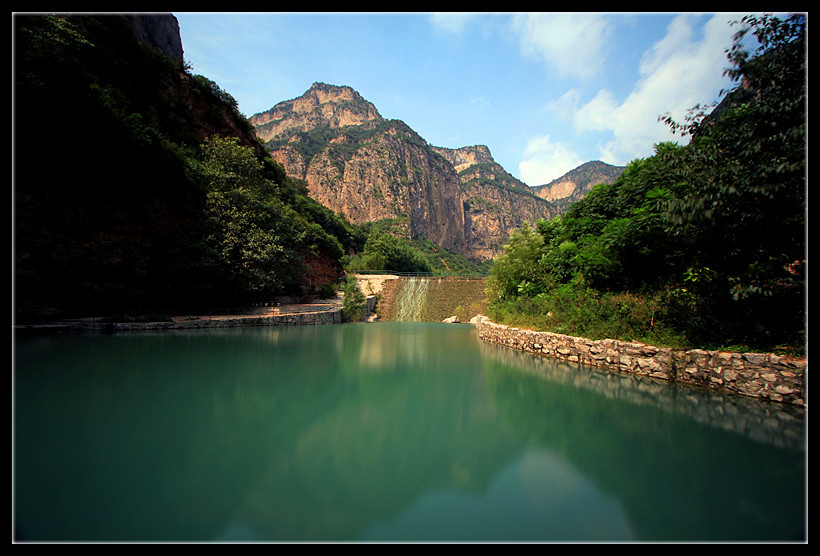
(364, 166)
(321, 106)
(494, 201)
(370, 168)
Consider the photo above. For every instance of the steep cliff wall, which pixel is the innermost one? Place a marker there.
(160, 31)
(494, 201)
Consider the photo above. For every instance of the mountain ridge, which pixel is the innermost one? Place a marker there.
(368, 168)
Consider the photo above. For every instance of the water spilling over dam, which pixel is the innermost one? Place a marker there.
(432, 299)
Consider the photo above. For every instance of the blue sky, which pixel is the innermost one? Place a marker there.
(545, 92)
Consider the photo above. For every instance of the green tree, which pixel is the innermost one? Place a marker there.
(354, 301)
(517, 272)
(250, 239)
(746, 205)
(386, 252)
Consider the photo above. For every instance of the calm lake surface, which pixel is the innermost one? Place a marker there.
(383, 432)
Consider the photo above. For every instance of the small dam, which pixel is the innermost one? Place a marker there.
(430, 298)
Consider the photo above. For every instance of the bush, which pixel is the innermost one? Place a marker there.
(354, 301)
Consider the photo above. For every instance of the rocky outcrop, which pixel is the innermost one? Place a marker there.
(192, 104)
(359, 164)
(369, 168)
(759, 375)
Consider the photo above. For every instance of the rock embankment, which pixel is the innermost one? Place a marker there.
(305, 316)
(760, 375)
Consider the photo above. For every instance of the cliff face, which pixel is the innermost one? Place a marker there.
(494, 201)
(160, 31)
(369, 168)
(359, 164)
(193, 105)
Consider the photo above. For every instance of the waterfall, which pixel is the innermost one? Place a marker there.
(412, 299)
(433, 299)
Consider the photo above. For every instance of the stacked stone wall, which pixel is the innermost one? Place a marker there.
(331, 316)
(760, 375)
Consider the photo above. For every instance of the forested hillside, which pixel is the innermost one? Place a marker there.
(699, 245)
(138, 185)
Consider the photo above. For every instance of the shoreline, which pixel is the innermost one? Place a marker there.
(758, 375)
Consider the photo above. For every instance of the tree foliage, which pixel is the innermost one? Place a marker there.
(716, 227)
(132, 209)
(383, 251)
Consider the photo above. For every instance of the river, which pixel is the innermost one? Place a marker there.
(392, 431)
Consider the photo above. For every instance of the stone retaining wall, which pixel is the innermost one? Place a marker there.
(332, 316)
(765, 376)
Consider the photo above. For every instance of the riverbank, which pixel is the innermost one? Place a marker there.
(285, 315)
(760, 375)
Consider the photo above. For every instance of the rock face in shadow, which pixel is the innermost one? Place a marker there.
(160, 31)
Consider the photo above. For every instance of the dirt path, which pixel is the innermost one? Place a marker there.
(373, 284)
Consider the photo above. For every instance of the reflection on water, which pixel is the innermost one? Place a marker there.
(384, 431)
(535, 496)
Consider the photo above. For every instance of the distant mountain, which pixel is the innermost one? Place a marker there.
(575, 184)
(369, 168)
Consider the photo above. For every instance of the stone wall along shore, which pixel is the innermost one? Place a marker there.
(329, 316)
(760, 375)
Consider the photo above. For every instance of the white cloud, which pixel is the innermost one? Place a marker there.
(566, 105)
(678, 72)
(545, 160)
(571, 43)
(451, 22)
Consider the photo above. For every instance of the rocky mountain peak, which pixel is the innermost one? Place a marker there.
(321, 106)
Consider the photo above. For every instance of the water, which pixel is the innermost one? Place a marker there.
(434, 299)
(412, 301)
(383, 431)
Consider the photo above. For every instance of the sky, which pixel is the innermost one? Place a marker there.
(545, 92)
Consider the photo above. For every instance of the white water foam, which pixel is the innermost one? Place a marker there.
(412, 299)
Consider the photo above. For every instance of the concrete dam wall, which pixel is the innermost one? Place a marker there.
(432, 299)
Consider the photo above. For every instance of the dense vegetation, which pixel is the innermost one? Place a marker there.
(127, 206)
(699, 245)
(383, 251)
(387, 248)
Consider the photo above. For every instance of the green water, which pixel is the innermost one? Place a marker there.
(382, 431)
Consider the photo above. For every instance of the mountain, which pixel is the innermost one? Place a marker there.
(575, 184)
(369, 168)
(494, 201)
